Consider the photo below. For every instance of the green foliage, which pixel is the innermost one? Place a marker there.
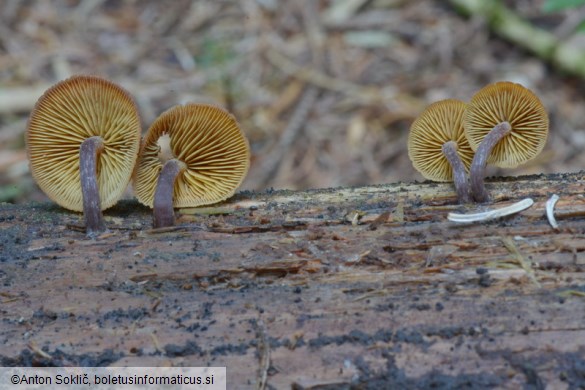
(214, 54)
(560, 5)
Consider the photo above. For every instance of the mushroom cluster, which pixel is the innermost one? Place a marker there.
(83, 144)
(504, 124)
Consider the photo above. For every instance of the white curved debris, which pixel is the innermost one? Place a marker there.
(492, 214)
(550, 211)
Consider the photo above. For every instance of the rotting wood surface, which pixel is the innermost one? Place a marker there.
(369, 287)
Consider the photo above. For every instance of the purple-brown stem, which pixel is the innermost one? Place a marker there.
(477, 170)
(164, 215)
(92, 211)
(459, 176)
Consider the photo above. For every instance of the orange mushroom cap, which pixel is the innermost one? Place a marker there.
(440, 123)
(213, 152)
(501, 102)
(64, 116)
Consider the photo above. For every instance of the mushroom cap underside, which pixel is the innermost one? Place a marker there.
(439, 123)
(211, 147)
(511, 102)
(64, 116)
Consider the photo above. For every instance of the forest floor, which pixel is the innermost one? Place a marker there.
(325, 92)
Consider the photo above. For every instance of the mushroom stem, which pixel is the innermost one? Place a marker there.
(164, 215)
(459, 177)
(477, 170)
(92, 210)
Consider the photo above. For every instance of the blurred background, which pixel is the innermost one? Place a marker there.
(325, 90)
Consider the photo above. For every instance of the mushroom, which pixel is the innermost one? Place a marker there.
(210, 157)
(437, 145)
(82, 138)
(506, 125)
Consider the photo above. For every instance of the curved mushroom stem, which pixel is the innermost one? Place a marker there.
(92, 211)
(164, 215)
(477, 170)
(459, 176)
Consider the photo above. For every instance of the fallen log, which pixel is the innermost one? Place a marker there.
(365, 287)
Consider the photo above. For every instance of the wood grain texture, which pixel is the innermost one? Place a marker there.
(339, 288)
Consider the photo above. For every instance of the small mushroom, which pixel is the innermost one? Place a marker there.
(437, 145)
(506, 125)
(210, 157)
(82, 140)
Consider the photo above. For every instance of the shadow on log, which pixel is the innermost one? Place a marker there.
(365, 287)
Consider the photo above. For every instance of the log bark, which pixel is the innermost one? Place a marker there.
(367, 287)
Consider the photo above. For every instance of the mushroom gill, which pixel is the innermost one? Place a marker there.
(210, 158)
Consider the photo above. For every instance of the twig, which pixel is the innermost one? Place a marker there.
(169, 229)
(20, 99)
(492, 214)
(400, 104)
(511, 26)
(550, 211)
(570, 24)
(341, 11)
(182, 53)
(34, 347)
(271, 163)
(264, 352)
(365, 95)
(525, 265)
(308, 99)
(156, 342)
